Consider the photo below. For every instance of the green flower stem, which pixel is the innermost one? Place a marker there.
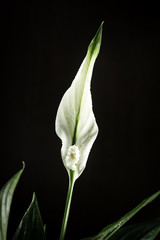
(68, 204)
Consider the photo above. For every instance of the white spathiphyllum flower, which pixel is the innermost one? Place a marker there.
(75, 122)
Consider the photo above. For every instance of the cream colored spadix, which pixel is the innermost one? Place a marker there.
(75, 122)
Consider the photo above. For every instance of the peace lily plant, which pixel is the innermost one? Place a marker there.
(77, 128)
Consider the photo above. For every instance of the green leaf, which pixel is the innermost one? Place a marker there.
(31, 226)
(108, 231)
(6, 195)
(75, 122)
(142, 231)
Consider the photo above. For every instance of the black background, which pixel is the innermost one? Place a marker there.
(43, 45)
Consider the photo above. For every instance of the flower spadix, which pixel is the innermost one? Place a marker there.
(75, 122)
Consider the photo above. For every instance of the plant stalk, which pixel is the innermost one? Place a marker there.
(67, 206)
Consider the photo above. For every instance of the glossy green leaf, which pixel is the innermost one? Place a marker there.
(108, 231)
(75, 122)
(6, 195)
(142, 231)
(31, 226)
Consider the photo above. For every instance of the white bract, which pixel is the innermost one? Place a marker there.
(75, 122)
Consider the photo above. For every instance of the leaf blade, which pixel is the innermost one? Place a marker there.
(108, 231)
(6, 195)
(142, 231)
(31, 226)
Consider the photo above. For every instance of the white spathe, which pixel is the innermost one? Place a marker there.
(75, 122)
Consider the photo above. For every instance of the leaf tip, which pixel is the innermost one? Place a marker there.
(23, 165)
(34, 197)
(102, 23)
